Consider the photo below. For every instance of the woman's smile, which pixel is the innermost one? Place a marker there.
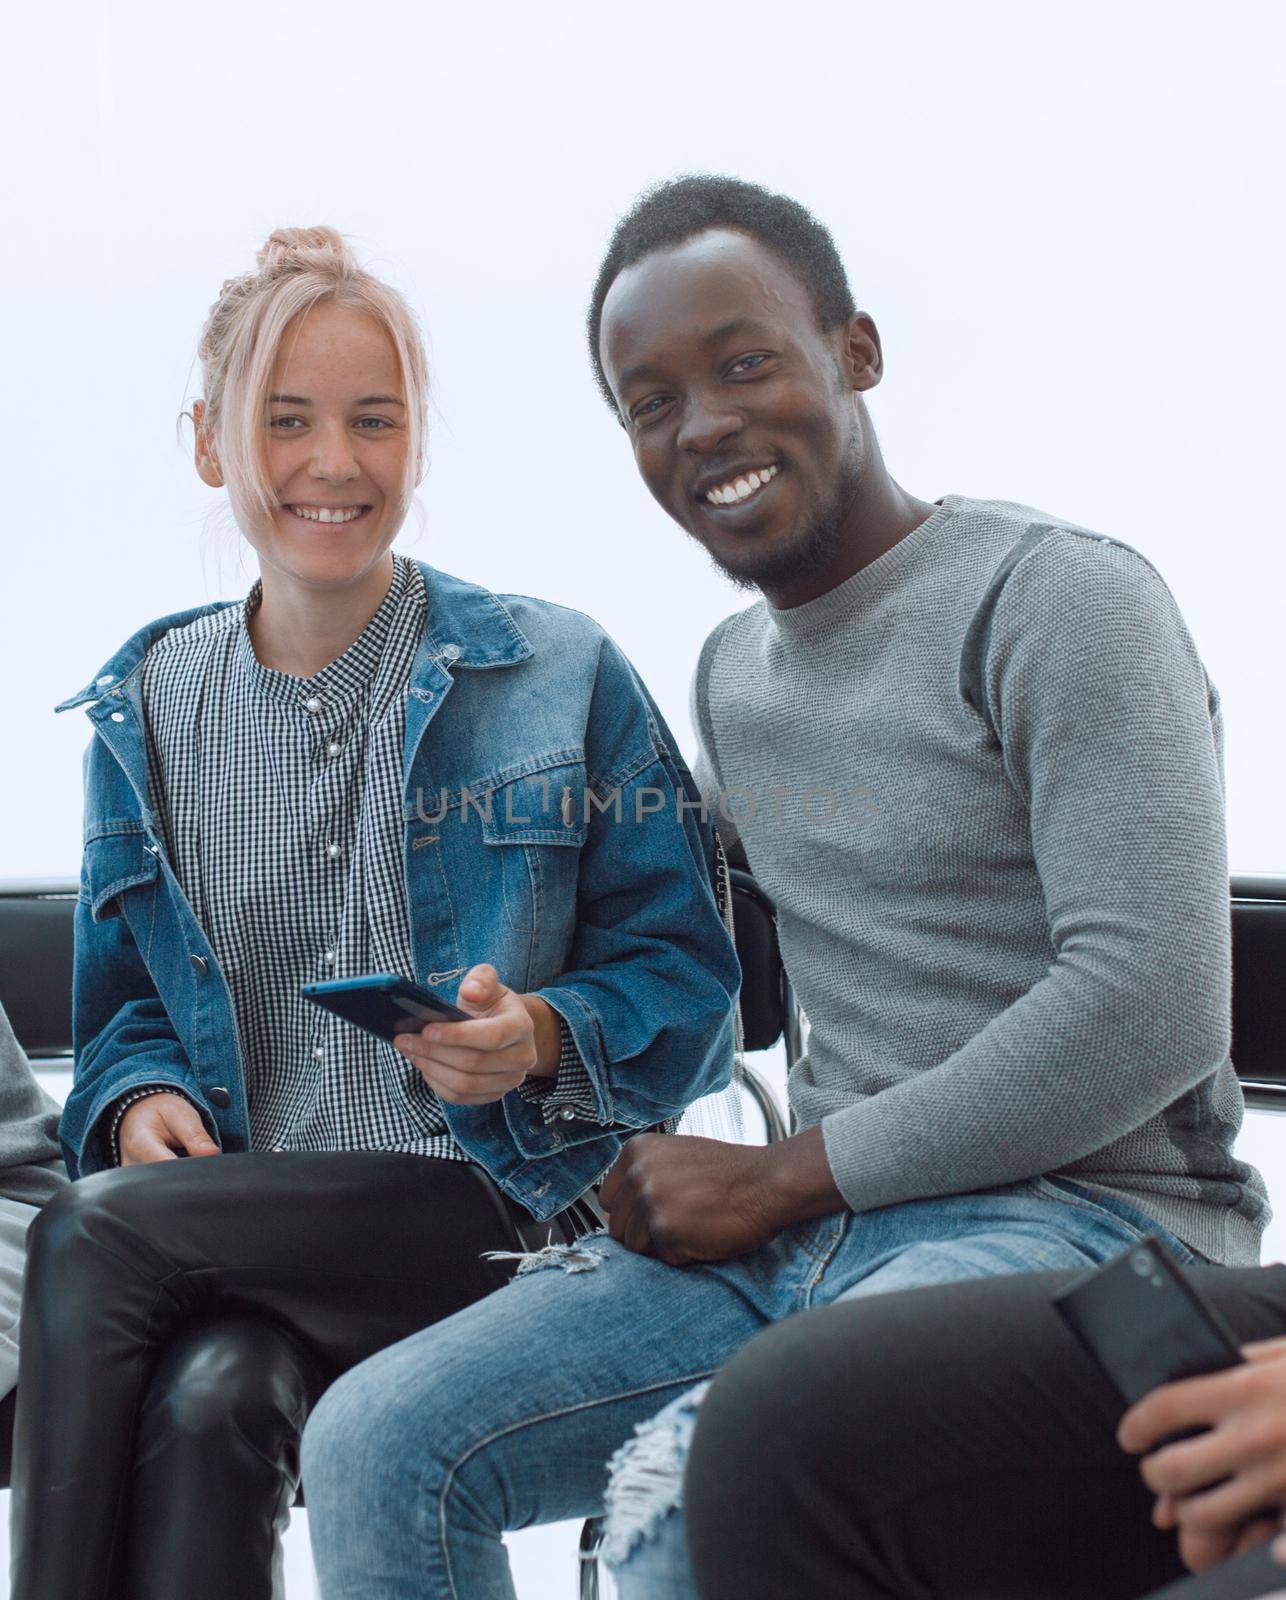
(328, 514)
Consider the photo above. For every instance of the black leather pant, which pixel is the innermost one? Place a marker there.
(179, 1322)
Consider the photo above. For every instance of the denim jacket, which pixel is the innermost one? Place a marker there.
(551, 828)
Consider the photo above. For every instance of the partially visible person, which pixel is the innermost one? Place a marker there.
(31, 1173)
(957, 1443)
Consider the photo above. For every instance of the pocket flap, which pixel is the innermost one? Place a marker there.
(549, 806)
(115, 862)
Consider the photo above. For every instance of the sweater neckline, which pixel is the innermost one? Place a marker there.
(839, 602)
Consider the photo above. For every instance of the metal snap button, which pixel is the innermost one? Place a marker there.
(450, 652)
(118, 716)
(107, 677)
(200, 965)
(220, 1097)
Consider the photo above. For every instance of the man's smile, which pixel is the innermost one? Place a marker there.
(738, 487)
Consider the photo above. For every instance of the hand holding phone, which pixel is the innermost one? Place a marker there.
(1221, 1482)
(1208, 1419)
(471, 1054)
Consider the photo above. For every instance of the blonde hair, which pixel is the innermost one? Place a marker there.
(296, 270)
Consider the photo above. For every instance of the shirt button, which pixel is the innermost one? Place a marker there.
(334, 852)
(334, 748)
(318, 1052)
(313, 704)
(328, 958)
(567, 1114)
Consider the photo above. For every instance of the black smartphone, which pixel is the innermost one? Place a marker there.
(382, 1003)
(1145, 1324)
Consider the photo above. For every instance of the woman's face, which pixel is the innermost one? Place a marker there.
(337, 440)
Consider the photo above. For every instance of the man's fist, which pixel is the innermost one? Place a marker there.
(161, 1127)
(474, 1063)
(686, 1199)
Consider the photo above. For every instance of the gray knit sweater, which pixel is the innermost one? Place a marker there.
(31, 1165)
(982, 780)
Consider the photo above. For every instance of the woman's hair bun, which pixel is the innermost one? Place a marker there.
(319, 249)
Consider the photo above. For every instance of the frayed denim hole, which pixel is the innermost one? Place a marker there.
(646, 1476)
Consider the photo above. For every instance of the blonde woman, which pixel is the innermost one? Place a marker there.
(366, 766)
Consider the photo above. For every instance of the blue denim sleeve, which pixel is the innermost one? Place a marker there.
(122, 1037)
(650, 989)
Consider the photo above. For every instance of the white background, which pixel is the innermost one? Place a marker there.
(1065, 220)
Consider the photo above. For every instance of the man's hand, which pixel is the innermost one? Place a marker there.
(685, 1199)
(162, 1127)
(1225, 1489)
(473, 1063)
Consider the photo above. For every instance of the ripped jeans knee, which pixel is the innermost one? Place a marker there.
(645, 1493)
(583, 1256)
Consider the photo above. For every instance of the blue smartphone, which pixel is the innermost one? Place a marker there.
(382, 1003)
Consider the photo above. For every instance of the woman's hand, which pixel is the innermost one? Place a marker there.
(162, 1127)
(474, 1063)
(1225, 1489)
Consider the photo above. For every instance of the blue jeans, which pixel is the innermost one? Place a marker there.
(506, 1415)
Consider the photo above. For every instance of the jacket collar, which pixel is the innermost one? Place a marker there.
(468, 627)
(130, 655)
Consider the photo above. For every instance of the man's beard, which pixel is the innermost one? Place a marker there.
(803, 555)
(799, 558)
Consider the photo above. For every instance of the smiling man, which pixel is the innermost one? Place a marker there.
(971, 752)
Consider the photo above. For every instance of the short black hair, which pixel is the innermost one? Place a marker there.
(670, 212)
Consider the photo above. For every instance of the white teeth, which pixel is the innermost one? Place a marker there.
(731, 494)
(328, 514)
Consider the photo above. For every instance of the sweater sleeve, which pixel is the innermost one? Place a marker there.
(1110, 731)
(31, 1165)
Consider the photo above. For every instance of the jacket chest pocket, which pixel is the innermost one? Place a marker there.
(533, 829)
(118, 878)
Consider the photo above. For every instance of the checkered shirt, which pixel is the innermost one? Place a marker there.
(280, 800)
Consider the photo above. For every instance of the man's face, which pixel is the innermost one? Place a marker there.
(740, 410)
